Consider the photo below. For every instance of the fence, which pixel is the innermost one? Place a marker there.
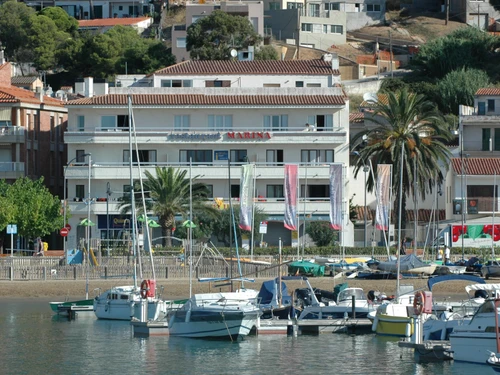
(28, 268)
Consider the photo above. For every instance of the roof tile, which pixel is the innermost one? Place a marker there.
(202, 99)
(488, 91)
(104, 22)
(476, 166)
(274, 67)
(17, 95)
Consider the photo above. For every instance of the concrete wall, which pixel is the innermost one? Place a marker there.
(362, 86)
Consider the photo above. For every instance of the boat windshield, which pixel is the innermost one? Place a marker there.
(347, 294)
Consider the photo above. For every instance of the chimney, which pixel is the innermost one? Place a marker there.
(39, 93)
(89, 86)
(334, 58)
(2, 56)
(5, 74)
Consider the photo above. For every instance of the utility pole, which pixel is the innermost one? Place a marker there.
(390, 51)
(447, 12)
(297, 38)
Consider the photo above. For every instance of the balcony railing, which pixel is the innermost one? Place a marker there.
(11, 167)
(11, 134)
(486, 204)
(166, 130)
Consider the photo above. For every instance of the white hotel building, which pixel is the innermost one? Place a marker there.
(248, 111)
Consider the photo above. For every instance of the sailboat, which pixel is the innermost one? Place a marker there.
(230, 315)
(125, 302)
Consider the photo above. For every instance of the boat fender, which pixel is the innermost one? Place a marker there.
(375, 324)
(144, 289)
(419, 303)
(408, 330)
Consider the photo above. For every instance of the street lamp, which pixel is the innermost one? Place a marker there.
(108, 195)
(365, 171)
(65, 203)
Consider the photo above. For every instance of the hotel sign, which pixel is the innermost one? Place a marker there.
(248, 135)
(194, 136)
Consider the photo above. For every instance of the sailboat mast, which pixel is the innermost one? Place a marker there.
(89, 201)
(132, 195)
(493, 219)
(399, 218)
(230, 228)
(190, 229)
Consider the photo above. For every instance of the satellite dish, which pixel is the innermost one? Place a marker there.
(234, 53)
(370, 97)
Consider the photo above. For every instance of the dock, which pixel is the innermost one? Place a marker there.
(429, 351)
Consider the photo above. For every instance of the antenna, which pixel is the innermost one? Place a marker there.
(234, 53)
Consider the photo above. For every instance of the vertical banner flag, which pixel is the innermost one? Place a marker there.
(291, 172)
(336, 196)
(246, 196)
(383, 196)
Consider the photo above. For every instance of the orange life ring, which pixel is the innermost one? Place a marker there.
(144, 289)
(419, 303)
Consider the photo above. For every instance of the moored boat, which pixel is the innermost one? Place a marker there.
(63, 308)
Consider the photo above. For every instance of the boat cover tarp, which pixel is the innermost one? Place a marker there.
(407, 262)
(305, 268)
(441, 279)
(267, 294)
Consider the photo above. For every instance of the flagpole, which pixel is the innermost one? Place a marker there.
(399, 219)
(253, 210)
(304, 230)
(297, 214)
(190, 229)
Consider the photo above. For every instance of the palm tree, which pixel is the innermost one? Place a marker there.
(410, 120)
(169, 196)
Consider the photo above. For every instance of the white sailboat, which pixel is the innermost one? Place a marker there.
(125, 302)
(230, 315)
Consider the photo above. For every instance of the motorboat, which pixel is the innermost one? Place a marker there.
(65, 308)
(475, 341)
(350, 303)
(230, 315)
(275, 303)
(124, 303)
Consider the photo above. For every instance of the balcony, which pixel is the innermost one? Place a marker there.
(11, 170)
(96, 134)
(204, 171)
(11, 134)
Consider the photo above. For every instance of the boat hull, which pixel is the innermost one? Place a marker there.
(78, 306)
(396, 326)
(472, 347)
(126, 310)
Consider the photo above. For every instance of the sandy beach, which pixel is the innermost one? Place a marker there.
(179, 288)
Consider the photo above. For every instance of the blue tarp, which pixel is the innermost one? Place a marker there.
(407, 262)
(267, 294)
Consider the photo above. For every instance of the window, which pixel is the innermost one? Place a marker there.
(52, 128)
(272, 85)
(220, 122)
(210, 189)
(120, 7)
(373, 7)
(239, 156)
(491, 105)
(314, 85)
(299, 83)
(80, 156)
(196, 18)
(145, 156)
(80, 123)
(108, 122)
(333, 29)
(496, 141)
(36, 127)
(274, 6)
(235, 191)
(317, 156)
(275, 122)
(181, 122)
(308, 27)
(321, 122)
(123, 121)
(486, 139)
(274, 157)
(481, 108)
(176, 83)
(332, 6)
(317, 191)
(314, 10)
(181, 42)
(197, 156)
(294, 5)
(5, 117)
(274, 191)
(80, 191)
(218, 83)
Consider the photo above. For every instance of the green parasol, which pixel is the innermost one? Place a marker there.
(153, 224)
(188, 224)
(86, 223)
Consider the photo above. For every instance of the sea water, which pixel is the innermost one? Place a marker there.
(34, 341)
